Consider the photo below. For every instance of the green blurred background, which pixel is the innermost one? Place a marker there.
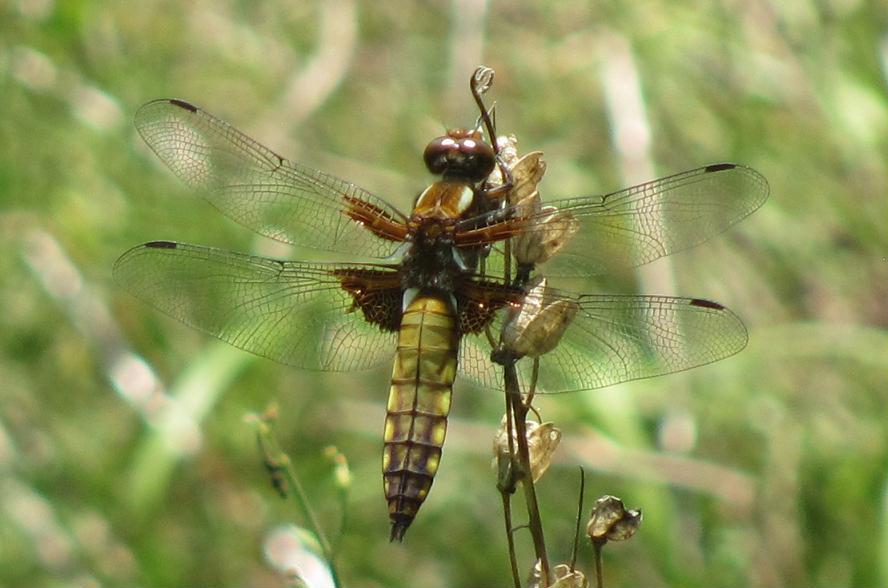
(124, 454)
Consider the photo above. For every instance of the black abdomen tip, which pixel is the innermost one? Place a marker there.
(398, 530)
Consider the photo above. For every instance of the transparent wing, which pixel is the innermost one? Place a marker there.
(294, 313)
(257, 187)
(615, 339)
(637, 225)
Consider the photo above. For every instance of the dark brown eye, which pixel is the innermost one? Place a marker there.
(479, 159)
(437, 153)
(460, 154)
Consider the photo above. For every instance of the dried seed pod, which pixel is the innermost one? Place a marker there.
(526, 175)
(539, 323)
(564, 578)
(542, 441)
(611, 521)
(526, 171)
(547, 232)
(507, 146)
(508, 149)
(567, 578)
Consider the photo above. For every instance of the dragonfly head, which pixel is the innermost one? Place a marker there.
(460, 154)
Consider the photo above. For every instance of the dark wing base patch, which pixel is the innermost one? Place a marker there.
(376, 293)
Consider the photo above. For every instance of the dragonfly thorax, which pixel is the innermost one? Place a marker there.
(443, 200)
(432, 263)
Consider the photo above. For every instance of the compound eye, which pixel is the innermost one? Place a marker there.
(437, 154)
(480, 158)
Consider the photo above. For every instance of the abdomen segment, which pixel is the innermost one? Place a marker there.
(418, 405)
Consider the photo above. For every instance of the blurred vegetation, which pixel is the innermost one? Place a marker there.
(124, 455)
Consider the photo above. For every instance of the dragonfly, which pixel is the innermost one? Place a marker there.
(422, 297)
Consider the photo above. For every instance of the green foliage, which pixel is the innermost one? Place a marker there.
(767, 468)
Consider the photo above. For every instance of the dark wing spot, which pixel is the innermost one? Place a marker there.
(161, 245)
(706, 304)
(377, 294)
(183, 104)
(717, 167)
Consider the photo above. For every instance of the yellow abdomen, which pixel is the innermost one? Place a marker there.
(418, 405)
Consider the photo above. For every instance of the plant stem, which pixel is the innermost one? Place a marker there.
(510, 537)
(519, 410)
(274, 454)
(599, 575)
(573, 555)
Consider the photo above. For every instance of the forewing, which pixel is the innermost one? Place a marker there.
(615, 339)
(637, 225)
(294, 313)
(260, 189)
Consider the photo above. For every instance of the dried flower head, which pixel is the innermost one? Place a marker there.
(611, 521)
(508, 149)
(547, 231)
(538, 324)
(564, 577)
(542, 441)
(526, 172)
